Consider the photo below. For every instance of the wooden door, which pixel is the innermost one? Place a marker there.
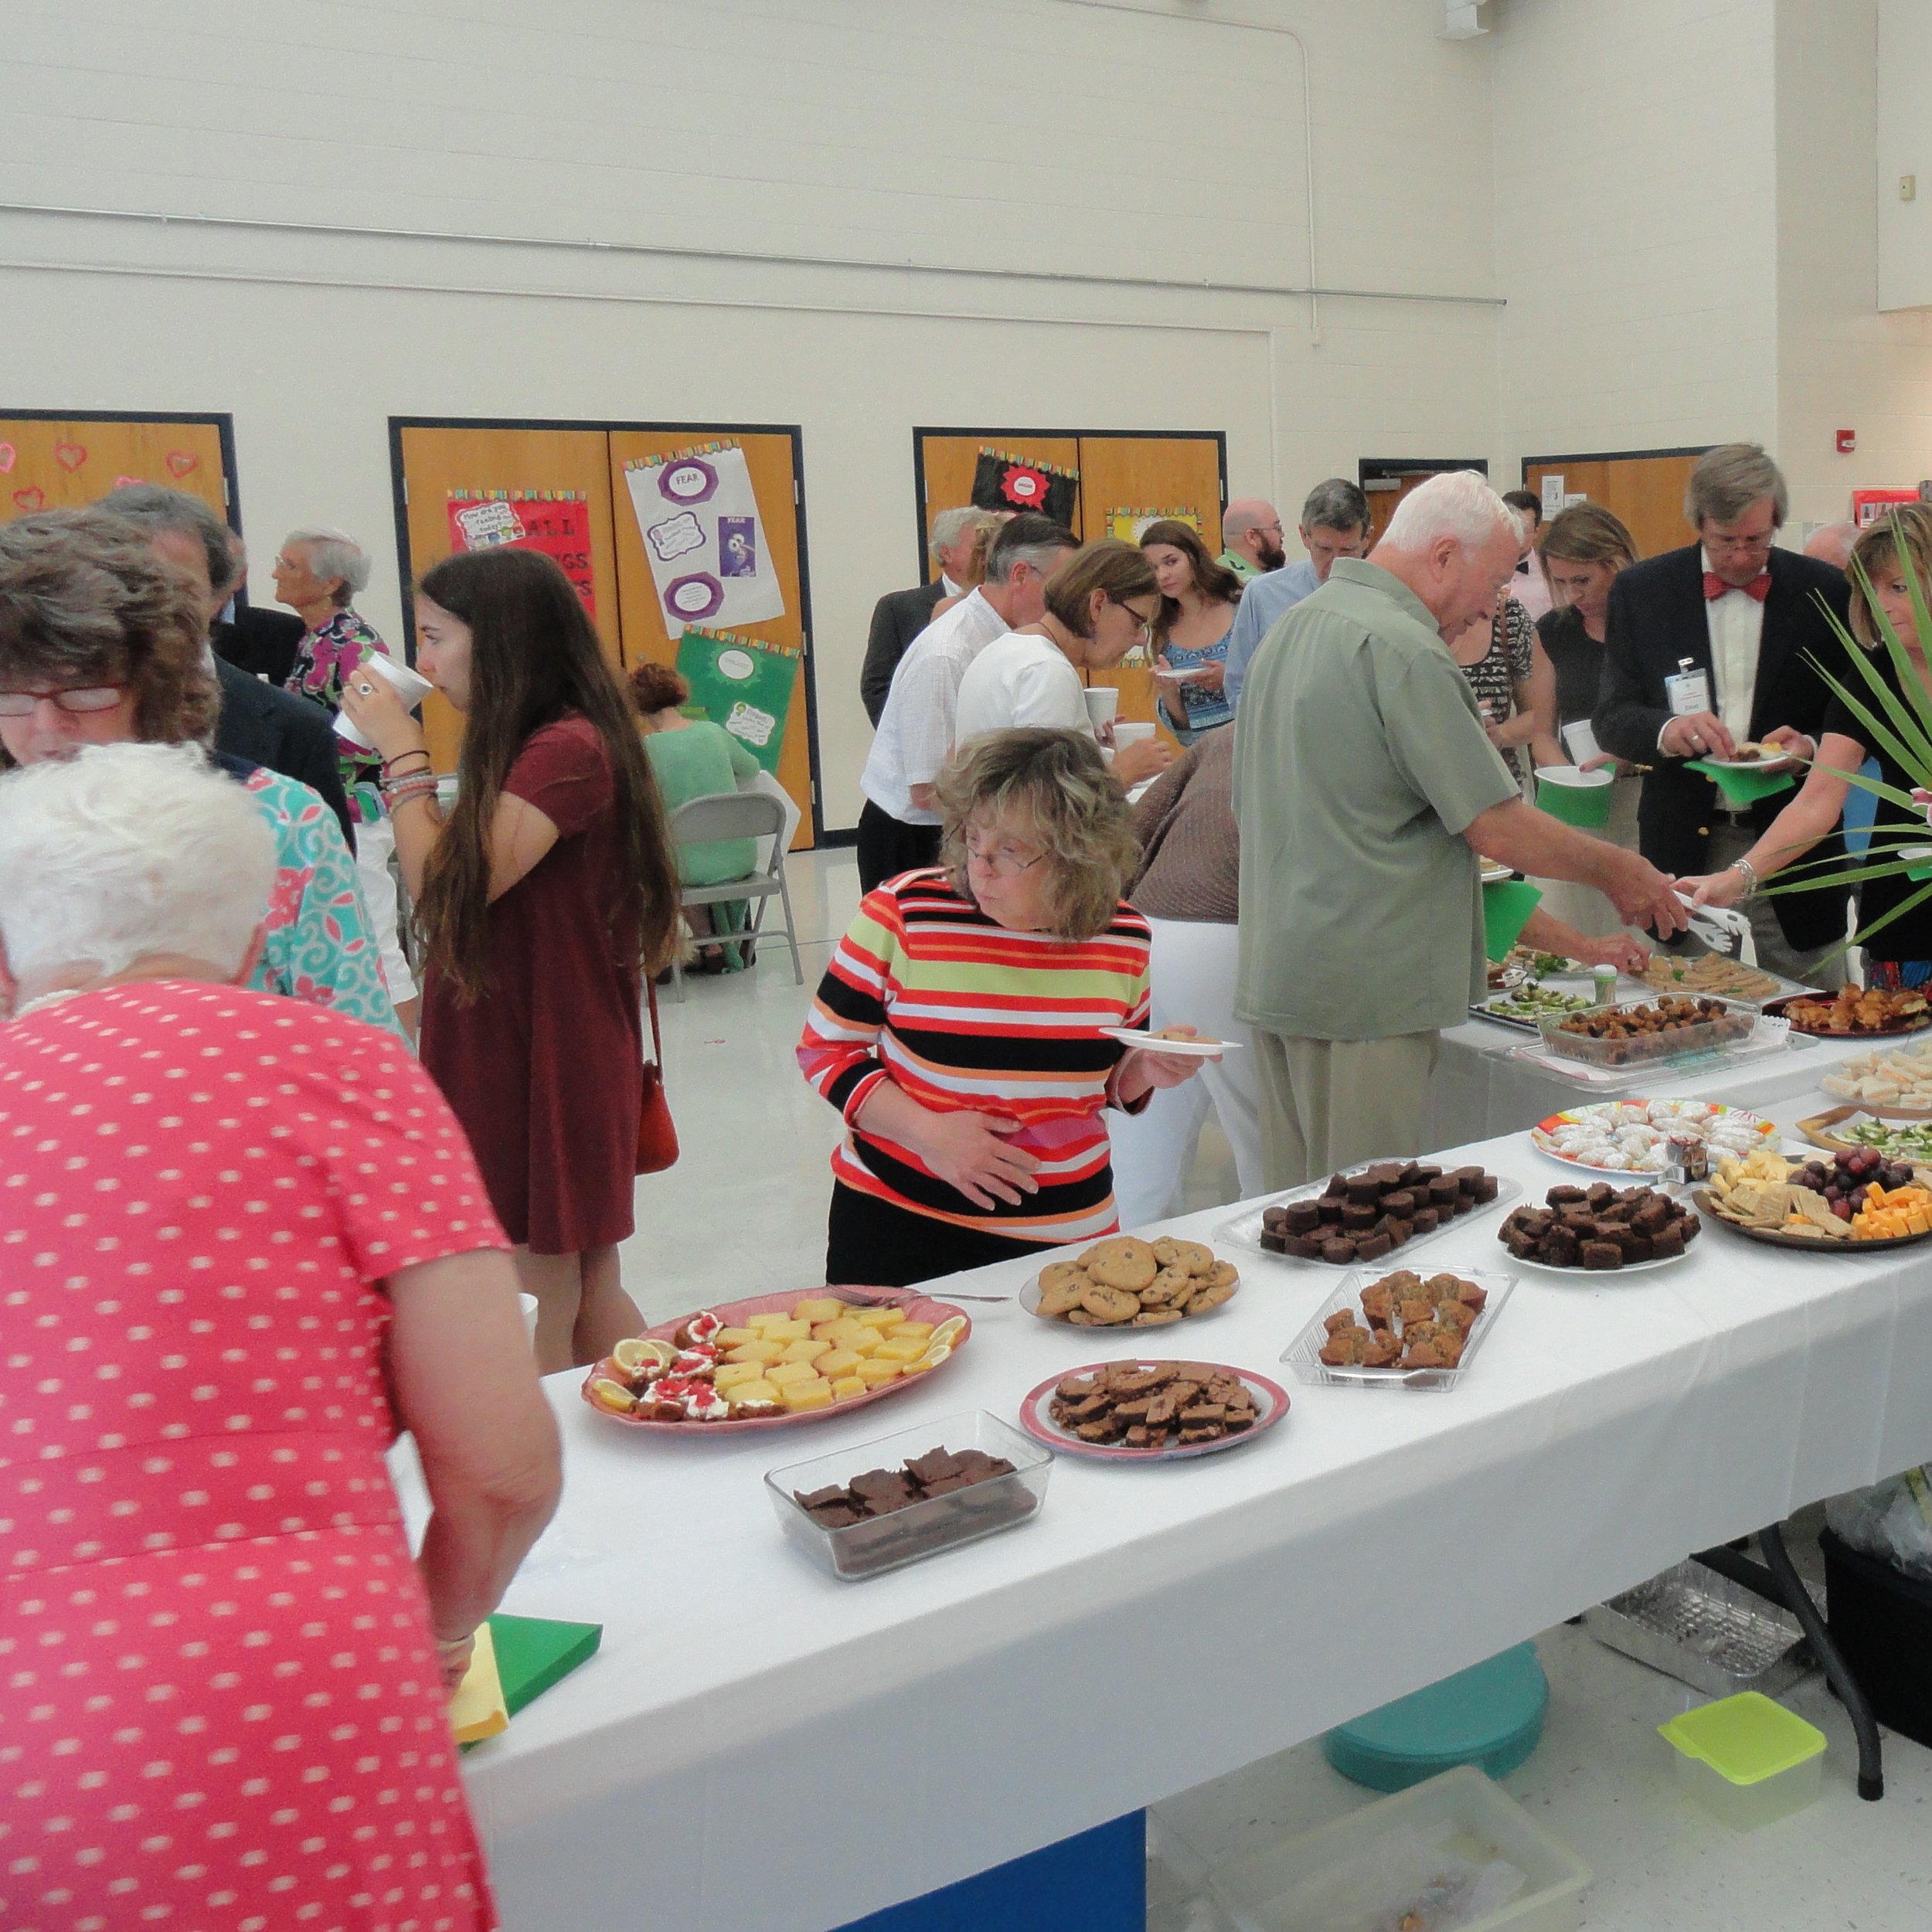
(772, 461)
(1645, 491)
(948, 459)
(439, 464)
(1386, 484)
(61, 463)
(1124, 481)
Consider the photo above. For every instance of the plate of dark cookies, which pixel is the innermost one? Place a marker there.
(1601, 1230)
(1365, 1214)
(1142, 1410)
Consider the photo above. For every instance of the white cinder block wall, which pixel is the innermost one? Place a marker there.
(1842, 363)
(405, 196)
(1637, 232)
(1014, 135)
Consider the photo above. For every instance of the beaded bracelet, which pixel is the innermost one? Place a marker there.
(1749, 871)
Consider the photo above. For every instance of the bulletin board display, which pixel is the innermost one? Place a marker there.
(442, 469)
(52, 462)
(1181, 470)
(684, 483)
(570, 490)
(1643, 489)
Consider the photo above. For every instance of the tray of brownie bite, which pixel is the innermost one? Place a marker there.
(1365, 1213)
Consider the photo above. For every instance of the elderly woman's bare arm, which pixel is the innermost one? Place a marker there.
(466, 1387)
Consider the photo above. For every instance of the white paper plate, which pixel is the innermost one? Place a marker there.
(1146, 1042)
(1598, 1274)
(1749, 764)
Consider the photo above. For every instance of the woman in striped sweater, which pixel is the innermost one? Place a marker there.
(957, 1027)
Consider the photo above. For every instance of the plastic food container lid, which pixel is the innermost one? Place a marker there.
(1744, 1739)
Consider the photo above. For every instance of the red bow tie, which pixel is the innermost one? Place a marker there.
(1715, 586)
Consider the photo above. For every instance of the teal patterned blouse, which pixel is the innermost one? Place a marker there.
(319, 946)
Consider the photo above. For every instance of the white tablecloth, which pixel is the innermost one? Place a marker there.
(759, 1748)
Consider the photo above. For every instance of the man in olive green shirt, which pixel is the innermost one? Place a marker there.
(1365, 785)
(1251, 530)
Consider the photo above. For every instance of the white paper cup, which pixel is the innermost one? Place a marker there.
(411, 686)
(1103, 705)
(1580, 742)
(1126, 731)
(528, 1304)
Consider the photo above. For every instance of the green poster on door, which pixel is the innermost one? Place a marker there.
(744, 684)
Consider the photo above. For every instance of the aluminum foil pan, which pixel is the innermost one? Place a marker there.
(1705, 1630)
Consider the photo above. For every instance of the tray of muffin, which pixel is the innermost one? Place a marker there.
(1365, 1213)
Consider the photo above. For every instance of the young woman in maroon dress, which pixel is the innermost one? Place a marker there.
(541, 900)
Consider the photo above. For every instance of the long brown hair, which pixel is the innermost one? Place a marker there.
(534, 658)
(1213, 580)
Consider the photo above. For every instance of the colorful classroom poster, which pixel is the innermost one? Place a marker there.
(698, 516)
(556, 522)
(744, 684)
(1004, 482)
(1129, 525)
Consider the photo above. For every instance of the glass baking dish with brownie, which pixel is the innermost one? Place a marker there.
(1640, 1033)
(1367, 1213)
(881, 1505)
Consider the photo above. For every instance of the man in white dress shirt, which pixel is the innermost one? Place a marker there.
(899, 828)
(1334, 523)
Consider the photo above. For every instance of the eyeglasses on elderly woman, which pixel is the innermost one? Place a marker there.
(19, 702)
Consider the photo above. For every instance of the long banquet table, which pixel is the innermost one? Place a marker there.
(759, 1748)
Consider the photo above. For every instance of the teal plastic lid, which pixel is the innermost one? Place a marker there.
(1490, 1715)
(1744, 1739)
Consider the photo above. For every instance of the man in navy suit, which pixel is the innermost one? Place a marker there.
(1716, 645)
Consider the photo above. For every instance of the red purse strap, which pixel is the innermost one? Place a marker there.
(657, 1039)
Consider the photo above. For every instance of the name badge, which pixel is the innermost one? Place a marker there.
(1687, 692)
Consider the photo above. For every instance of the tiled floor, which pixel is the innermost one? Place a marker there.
(744, 1211)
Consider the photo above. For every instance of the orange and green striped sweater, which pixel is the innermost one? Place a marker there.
(926, 990)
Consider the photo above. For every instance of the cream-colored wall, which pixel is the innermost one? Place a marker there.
(1842, 363)
(1904, 59)
(1637, 223)
(1153, 153)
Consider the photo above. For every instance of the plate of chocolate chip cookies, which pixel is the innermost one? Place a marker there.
(1141, 1410)
(1126, 1282)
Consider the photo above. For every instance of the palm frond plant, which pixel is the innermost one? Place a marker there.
(1897, 722)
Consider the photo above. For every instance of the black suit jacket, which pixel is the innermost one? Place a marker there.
(897, 618)
(287, 733)
(1657, 616)
(260, 642)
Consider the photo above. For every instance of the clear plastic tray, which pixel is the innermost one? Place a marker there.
(1731, 1028)
(1244, 1231)
(1304, 1354)
(950, 1522)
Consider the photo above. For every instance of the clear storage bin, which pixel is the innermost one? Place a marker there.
(1350, 1875)
(1747, 1761)
(1729, 1027)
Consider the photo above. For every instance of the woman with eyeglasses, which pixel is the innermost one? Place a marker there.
(1100, 604)
(103, 642)
(958, 1029)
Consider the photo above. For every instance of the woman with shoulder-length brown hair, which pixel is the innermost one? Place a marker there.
(957, 1029)
(541, 899)
(1198, 598)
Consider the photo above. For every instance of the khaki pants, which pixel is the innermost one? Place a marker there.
(1329, 1103)
(1824, 966)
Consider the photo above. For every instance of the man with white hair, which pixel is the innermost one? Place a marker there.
(900, 616)
(1831, 543)
(1251, 538)
(1366, 788)
(319, 572)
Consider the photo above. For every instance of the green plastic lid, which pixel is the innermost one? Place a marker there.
(1744, 1739)
(1490, 1715)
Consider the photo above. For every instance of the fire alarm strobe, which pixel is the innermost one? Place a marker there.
(1848, 441)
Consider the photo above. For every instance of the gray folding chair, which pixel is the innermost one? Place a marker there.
(737, 814)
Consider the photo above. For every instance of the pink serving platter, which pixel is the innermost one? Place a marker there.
(917, 1307)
